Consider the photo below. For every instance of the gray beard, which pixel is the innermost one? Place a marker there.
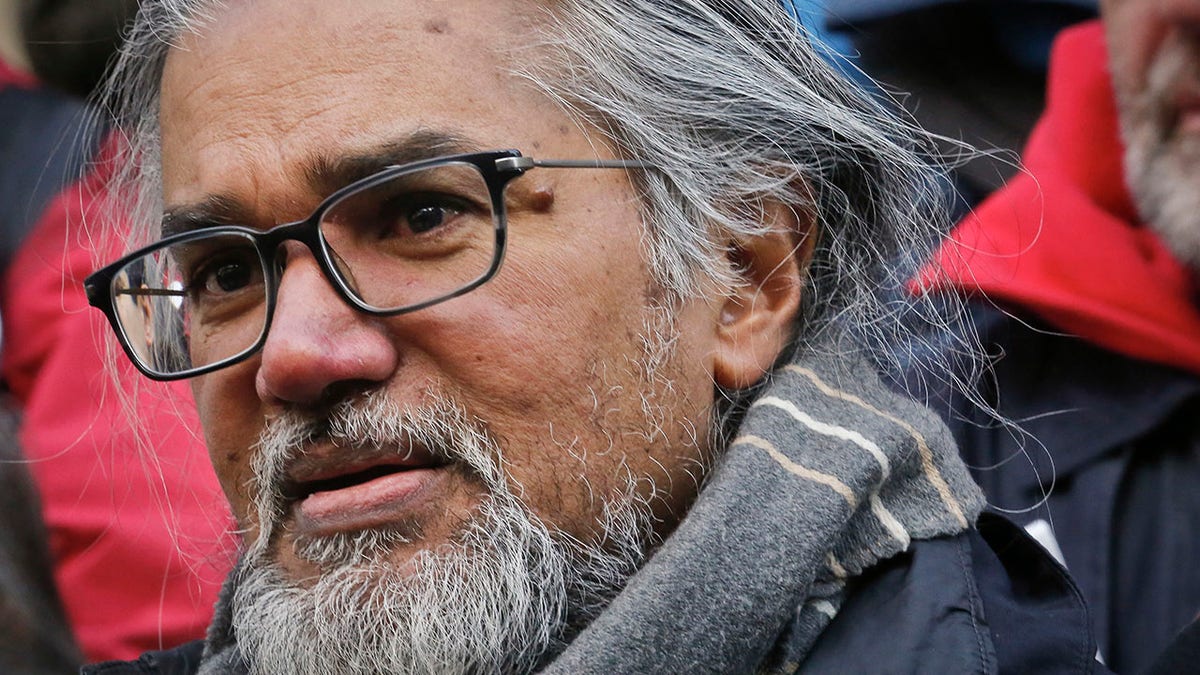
(1162, 167)
(506, 595)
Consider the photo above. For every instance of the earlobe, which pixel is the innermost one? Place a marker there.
(757, 318)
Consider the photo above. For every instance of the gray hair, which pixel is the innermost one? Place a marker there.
(735, 108)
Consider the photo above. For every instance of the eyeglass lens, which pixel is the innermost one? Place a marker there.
(395, 243)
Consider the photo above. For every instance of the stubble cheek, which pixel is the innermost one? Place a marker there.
(230, 432)
(549, 424)
(613, 436)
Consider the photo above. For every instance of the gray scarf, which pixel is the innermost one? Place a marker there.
(829, 474)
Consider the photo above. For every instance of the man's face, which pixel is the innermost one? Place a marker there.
(1154, 50)
(569, 381)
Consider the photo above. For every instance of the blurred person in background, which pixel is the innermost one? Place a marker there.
(972, 71)
(135, 537)
(37, 127)
(1083, 280)
(70, 43)
(41, 132)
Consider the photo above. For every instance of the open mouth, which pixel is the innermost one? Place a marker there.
(329, 494)
(298, 491)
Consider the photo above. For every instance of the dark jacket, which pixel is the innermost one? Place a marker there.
(1182, 655)
(35, 638)
(1115, 443)
(45, 142)
(986, 601)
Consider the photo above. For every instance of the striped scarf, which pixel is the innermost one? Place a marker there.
(830, 473)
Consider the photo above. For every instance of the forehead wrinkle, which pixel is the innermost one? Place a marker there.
(314, 91)
(370, 36)
(249, 112)
(201, 74)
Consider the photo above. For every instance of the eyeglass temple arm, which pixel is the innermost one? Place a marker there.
(150, 291)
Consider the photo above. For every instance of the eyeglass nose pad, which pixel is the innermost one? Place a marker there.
(343, 271)
(277, 262)
(283, 251)
(341, 268)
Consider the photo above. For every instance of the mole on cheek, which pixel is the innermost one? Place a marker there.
(541, 199)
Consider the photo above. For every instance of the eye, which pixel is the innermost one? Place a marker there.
(227, 272)
(229, 277)
(419, 213)
(428, 217)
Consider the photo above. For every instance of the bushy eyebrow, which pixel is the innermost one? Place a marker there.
(326, 174)
(212, 211)
(323, 174)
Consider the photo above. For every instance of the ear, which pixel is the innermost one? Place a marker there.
(758, 317)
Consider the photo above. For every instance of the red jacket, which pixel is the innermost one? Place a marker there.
(1064, 241)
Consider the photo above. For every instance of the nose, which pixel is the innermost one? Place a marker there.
(316, 340)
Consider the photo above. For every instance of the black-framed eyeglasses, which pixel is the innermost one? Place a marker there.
(398, 241)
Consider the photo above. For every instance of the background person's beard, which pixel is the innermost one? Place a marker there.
(504, 595)
(1162, 165)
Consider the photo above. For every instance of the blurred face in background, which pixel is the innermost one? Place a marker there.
(1154, 48)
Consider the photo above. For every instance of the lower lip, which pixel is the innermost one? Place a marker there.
(375, 503)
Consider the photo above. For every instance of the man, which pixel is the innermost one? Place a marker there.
(1097, 324)
(602, 404)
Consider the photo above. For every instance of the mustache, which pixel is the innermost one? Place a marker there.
(367, 426)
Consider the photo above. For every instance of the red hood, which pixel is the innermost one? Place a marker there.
(1063, 241)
